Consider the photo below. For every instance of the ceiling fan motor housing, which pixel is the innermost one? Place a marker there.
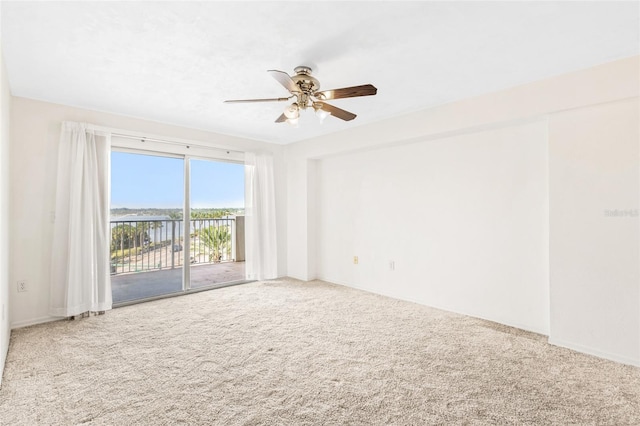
(308, 85)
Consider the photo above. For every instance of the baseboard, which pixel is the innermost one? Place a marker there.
(594, 352)
(305, 279)
(3, 357)
(33, 321)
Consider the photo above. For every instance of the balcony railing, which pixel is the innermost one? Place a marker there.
(139, 245)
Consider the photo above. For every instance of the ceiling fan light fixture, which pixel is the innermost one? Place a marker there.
(322, 114)
(292, 112)
(293, 122)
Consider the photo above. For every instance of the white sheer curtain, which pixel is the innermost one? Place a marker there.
(80, 273)
(260, 218)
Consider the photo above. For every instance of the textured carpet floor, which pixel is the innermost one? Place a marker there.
(291, 353)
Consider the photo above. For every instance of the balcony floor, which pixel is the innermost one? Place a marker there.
(143, 285)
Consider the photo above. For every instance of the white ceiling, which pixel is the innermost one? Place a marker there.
(175, 62)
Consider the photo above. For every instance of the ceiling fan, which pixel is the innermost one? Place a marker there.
(305, 89)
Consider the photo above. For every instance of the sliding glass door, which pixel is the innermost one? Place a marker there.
(217, 222)
(147, 226)
(156, 250)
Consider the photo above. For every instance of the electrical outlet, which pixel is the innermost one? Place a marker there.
(355, 260)
(22, 285)
(392, 265)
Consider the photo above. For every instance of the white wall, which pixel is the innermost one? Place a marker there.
(301, 216)
(464, 219)
(34, 139)
(594, 171)
(297, 225)
(5, 113)
(359, 167)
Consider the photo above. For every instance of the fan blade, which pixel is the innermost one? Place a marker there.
(236, 101)
(347, 92)
(284, 79)
(337, 112)
(281, 119)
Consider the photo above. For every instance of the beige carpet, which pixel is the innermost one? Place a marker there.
(289, 353)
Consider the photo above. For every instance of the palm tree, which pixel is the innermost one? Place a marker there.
(142, 232)
(120, 236)
(197, 221)
(217, 239)
(139, 236)
(155, 226)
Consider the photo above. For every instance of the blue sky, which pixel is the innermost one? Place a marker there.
(144, 181)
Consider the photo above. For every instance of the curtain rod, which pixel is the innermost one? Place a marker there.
(169, 142)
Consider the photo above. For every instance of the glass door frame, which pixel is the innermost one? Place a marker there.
(186, 215)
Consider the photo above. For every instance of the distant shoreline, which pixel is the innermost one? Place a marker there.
(175, 212)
